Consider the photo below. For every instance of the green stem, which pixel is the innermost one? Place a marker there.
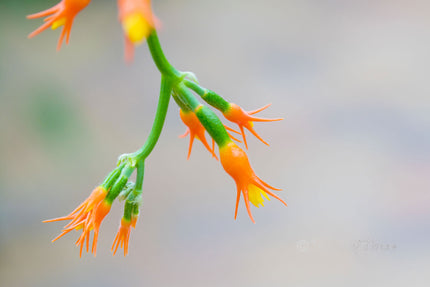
(163, 65)
(187, 97)
(157, 127)
(209, 96)
(195, 87)
(139, 176)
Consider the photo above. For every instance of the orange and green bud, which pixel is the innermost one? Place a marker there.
(93, 223)
(129, 219)
(195, 129)
(235, 162)
(87, 216)
(245, 119)
(61, 14)
(122, 236)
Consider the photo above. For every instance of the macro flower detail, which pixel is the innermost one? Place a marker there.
(62, 14)
(137, 22)
(88, 217)
(243, 119)
(235, 162)
(196, 130)
(123, 236)
(140, 25)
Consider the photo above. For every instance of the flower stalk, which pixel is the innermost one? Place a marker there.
(139, 23)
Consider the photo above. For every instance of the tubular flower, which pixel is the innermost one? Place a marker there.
(61, 14)
(87, 216)
(235, 162)
(243, 119)
(195, 129)
(123, 236)
(137, 22)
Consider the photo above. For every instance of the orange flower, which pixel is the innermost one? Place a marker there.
(245, 120)
(137, 22)
(235, 162)
(87, 216)
(123, 235)
(61, 14)
(195, 129)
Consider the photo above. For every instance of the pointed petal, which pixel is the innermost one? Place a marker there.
(60, 40)
(231, 130)
(248, 208)
(59, 219)
(251, 129)
(68, 28)
(44, 13)
(64, 232)
(129, 50)
(40, 29)
(270, 193)
(185, 134)
(259, 110)
(237, 202)
(243, 135)
(255, 119)
(202, 138)
(190, 145)
(267, 185)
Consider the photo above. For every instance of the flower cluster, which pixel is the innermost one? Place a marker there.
(139, 24)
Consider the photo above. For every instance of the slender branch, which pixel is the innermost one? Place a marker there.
(163, 65)
(140, 169)
(195, 87)
(160, 116)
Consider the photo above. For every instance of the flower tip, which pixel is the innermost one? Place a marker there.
(136, 27)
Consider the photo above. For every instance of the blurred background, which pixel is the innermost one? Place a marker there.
(352, 155)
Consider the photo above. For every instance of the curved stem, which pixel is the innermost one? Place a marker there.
(157, 127)
(163, 65)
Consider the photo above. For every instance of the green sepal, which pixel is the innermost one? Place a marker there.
(112, 177)
(119, 184)
(129, 187)
(213, 125)
(216, 101)
(208, 96)
(131, 207)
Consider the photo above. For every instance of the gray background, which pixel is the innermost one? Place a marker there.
(352, 155)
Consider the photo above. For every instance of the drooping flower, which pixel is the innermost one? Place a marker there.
(61, 14)
(195, 129)
(123, 235)
(235, 162)
(244, 119)
(88, 216)
(137, 22)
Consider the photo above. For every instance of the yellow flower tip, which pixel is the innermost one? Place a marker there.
(235, 162)
(255, 197)
(58, 23)
(136, 27)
